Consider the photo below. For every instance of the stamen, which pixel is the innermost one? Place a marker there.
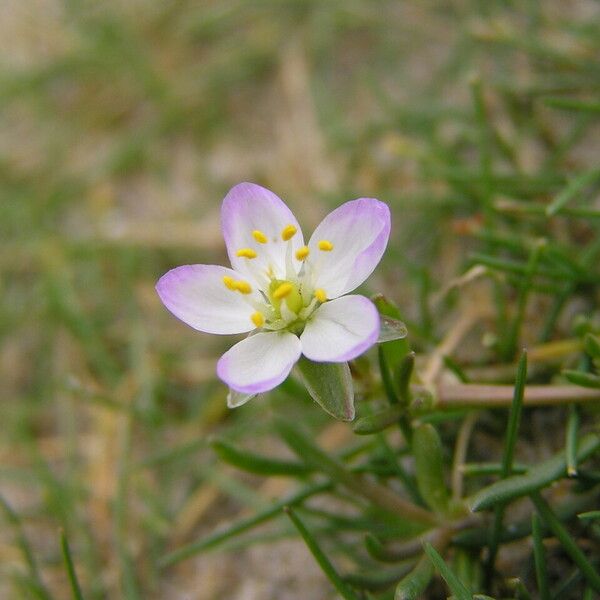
(282, 291)
(257, 318)
(325, 245)
(260, 237)
(320, 295)
(302, 253)
(288, 232)
(246, 253)
(229, 282)
(242, 286)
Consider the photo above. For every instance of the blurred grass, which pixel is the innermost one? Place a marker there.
(122, 125)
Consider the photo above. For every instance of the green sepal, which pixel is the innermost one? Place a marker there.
(330, 386)
(396, 349)
(429, 467)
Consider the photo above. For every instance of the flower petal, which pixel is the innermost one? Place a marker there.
(359, 232)
(197, 295)
(341, 330)
(260, 362)
(248, 208)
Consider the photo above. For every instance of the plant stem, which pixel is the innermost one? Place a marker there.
(450, 397)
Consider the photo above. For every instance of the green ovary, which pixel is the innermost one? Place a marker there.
(291, 296)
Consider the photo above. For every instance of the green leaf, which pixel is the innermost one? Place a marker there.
(583, 379)
(539, 477)
(330, 386)
(378, 579)
(379, 495)
(415, 583)
(218, 537)
(254, 463)
(429, 467)
(591, 343)
(321, 558)
(590, 515)
(456, 586)
(379, 421)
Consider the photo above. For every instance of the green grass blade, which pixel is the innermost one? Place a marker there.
(514, 418)
(243, 525)
(71, 573)
(33, 580)
(539, 555)
(573, 104)
(574, 188)
(325, 564)
(456, 586)
(590, 573)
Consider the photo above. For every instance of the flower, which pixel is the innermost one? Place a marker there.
(289, 294)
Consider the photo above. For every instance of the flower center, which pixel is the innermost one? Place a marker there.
(285, 291)
(282, 303)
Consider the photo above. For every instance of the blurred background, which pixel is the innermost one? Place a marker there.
(123, 124)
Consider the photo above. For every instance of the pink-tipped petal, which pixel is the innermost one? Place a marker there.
(260, 362)
(247, 208)
(359, 231)
(197, 295)
(341, 330)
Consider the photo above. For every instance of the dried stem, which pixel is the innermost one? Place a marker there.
(452, 396)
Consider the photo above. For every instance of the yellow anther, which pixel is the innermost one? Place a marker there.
(325, 245)
(260, 237)
(242, 286)
(229, 282)
(320, 295)
(282, 291)
(246, 253)
(302, 253)
(257, 318)
(288, 232)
